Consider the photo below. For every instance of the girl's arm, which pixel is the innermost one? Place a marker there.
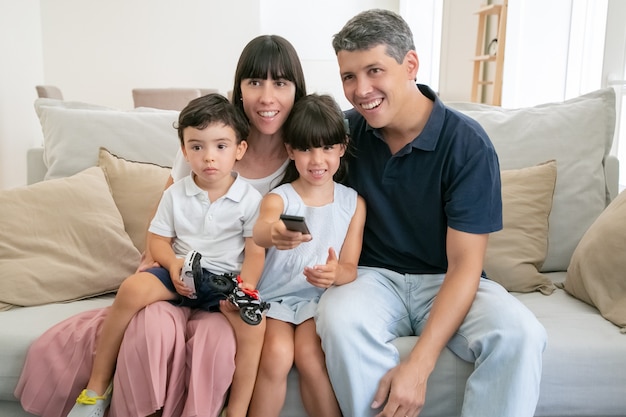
(270, 231)
(343, 270)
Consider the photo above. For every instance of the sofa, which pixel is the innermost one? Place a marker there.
(100, 171)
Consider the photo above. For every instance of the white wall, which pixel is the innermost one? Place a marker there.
(21, 68)
(98, 51)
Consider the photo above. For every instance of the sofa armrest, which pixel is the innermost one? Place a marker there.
(35, 167)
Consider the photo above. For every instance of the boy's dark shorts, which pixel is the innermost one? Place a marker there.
(208, 299)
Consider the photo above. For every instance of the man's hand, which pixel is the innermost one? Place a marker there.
(404, 388)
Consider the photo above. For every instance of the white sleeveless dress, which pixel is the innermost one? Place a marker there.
(282, 283)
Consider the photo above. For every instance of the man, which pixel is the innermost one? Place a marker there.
(431, 180)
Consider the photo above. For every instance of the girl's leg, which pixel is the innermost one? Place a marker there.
(249, 345)
(317, 393)
(276, 361)
(136, 292)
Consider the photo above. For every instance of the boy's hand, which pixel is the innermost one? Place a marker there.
(323, 276)
(175, 270)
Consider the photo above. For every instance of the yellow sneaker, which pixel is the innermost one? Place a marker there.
(90, 404)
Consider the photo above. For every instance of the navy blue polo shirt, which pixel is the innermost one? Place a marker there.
(448, 176)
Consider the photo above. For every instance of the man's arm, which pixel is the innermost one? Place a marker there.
(405, 385)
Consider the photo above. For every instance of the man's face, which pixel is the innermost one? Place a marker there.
(375, 83)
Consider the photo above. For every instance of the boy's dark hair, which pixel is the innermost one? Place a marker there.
(269, 55)
(375, 27)
(209, 109)
(315, 121)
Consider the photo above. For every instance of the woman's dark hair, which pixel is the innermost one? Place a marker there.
(209, 109)
(268, 54)
(314, 122)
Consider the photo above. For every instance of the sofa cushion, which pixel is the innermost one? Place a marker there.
(596, 274)
(67, 241)
(515, 253)
(578, 134)
(136, 189)
(74, 132)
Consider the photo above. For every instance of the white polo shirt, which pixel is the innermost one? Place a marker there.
(215, 229)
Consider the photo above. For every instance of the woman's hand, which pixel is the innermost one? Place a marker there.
(146, 262)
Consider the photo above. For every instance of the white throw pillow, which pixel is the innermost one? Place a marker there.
(74, 132)
(578, 134)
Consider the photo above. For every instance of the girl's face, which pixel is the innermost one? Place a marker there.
(267, 103)
(317, 165)
(212, 153)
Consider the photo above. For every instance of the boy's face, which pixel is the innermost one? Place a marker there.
(212, 152)
(375, 84)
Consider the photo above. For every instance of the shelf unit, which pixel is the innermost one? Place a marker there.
(488, 67)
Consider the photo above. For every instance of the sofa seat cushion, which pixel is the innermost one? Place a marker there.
(583, 363)
(21, 326)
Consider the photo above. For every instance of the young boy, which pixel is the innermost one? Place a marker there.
(213, 212)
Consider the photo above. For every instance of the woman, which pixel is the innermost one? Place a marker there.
(166, 362)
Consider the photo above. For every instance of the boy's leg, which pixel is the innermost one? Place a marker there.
(249, 345)
(136, 292)
(276, 361)
(505, 341)
(317, 393)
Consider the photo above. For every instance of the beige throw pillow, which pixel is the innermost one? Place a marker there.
(136, 189)
(516, 253)
(597, 272)
(62, 240)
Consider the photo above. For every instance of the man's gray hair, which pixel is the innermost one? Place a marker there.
(375, 27)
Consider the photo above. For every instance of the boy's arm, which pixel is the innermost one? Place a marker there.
(343, 270)
(147, 260)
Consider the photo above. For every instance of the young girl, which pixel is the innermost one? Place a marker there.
(300, 266)
(212, 211)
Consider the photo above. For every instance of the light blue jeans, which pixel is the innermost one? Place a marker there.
(358, 321)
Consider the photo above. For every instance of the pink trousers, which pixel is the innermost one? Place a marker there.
(174, 359)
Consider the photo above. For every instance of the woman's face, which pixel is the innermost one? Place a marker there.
(267, 102)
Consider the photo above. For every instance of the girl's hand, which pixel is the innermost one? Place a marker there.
(323, 276)
(175, 270)
(285, 239)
